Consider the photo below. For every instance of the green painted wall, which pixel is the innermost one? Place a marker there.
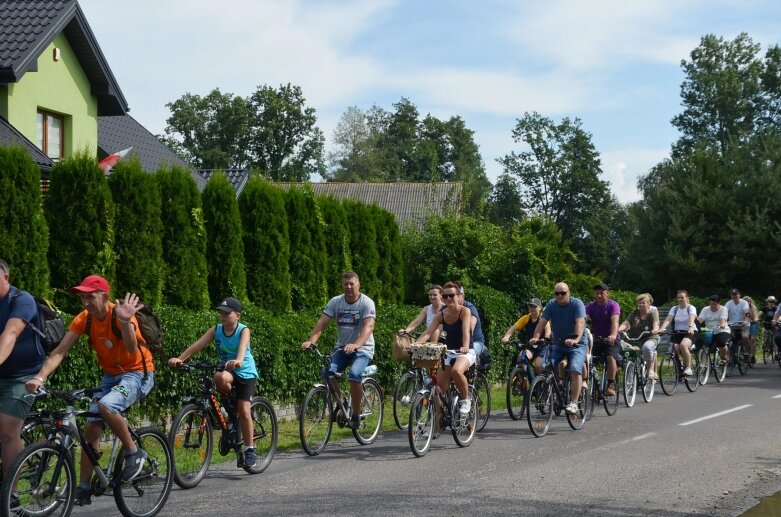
(60, 87)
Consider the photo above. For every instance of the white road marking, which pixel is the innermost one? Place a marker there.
(643, 436)
(777, 397)
(716, 414)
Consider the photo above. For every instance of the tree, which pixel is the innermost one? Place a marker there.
(266, 244)
(363, 246)
(137, 229)
(224, 247)
(24, 235)
(337, 245)
(307, 250)
(559, 177)
(183, 239)
(350, 161)
(504, 204)
(80, 215)
(284, 140)
(210, 132)
(390, 274)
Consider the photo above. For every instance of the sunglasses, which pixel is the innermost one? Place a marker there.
(449, 295)
(560, 293)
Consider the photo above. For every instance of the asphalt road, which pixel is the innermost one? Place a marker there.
(713, 452)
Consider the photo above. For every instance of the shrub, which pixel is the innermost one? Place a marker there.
(307, 244)
(390, 274)
(337, 245)
(363, 246)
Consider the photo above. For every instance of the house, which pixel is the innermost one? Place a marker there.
(58, 94)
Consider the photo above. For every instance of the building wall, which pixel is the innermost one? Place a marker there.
(60, 87)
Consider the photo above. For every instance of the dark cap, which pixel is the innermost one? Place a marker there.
(601, 286)
(534, 302)
(229, 305)
(91, 284)
(734, 291)
(714, 298)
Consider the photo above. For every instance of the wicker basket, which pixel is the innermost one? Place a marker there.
(427, 355)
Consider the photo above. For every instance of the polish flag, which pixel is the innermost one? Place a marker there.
(111, 160)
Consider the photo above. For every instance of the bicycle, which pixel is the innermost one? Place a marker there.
(191, 435)
(598, 380)
(434, 410)
(412, 381)
(671, 369)
(323, 405)
(709, 354)
(737, 354)
(549, 395)
(43, 476)
(768, 344)
(483, 394)
(635, 371)
(519, 379)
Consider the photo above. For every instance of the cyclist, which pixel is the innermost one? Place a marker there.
(644, 320)
(528, 322)
(427, 313)
(355, 318)
(478, 339)
(232, 340)
(753, 329)
(128, 370)
(603, 313)
(714, 317)
(739, 314)
(567, 317)
(767, 312)
(456, 321)
(682, 317)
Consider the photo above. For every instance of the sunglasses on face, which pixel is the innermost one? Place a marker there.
(560, 293)
(449, 295)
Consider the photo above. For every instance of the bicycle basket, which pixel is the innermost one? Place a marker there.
(427, 355)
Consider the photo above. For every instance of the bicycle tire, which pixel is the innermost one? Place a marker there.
(264, 434)
(611, 403)
(577, 420)
(704, 366)
(32, 476)
(649, 385)
(668, 375)
(406, 387)
(483, 396)
(465, 427)
(593, 391)
(693, 381)
(420, 428)
(515, 396)
(315, 421)
(539, 405)
(767, 348)
(719, 370)
(191, 439)
(630, 383)
(372, 409)
(742, 362)
(145, 495)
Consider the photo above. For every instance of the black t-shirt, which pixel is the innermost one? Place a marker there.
(767, 312)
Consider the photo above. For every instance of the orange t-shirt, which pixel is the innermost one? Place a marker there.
(113, 357)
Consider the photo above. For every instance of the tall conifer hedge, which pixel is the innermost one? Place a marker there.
(307, 250)
(24, 235)
(391, 270)
(337, 242)
(363, 246)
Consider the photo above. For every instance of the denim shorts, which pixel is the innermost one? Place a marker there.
(340, 359)
(119, 392)
(540, 351)
(575, 356)
(15, 400)
(753, 330)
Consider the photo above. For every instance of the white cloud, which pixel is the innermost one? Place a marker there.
(623, 167)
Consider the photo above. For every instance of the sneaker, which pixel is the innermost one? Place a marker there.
(133, 464)
(572, 408)
(464, 406)
(688, 371)
(652, 376)
(83, 496)
(722, 362)
(354, 423)
(610, 391)
(15, 501)
(585, 385)
(250, 458)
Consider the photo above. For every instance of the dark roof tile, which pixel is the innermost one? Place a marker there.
(10, 137)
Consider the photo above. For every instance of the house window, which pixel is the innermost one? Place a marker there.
(50, 134)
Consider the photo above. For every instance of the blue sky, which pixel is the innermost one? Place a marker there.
(613, 64)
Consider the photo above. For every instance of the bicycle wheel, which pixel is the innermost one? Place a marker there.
(649, 385)
(539, 406)
(719, 370)
(371, 412)
(315, 421)
(516, 382)
(264, 434)
(43, 479)
(483, 395)
(611, 403)
(402, 399)
(190, 439)
(420, 428)
(742, 360)
(693, 381)
(464, 427)
(668, 375)
(630, 383)
(577, 420)
(767, 348)
(593, 391)
(146, 494)
(703, 369)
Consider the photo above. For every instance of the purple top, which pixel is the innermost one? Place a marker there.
(600, 316)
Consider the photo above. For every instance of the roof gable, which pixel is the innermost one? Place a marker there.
(10, 137)
(28, 27)
(237, 177)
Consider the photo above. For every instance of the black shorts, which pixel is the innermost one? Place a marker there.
(721, 339)
(677, 337)
(244, 388)
(602, 349)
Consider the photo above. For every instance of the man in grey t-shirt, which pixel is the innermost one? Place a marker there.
(355, 316)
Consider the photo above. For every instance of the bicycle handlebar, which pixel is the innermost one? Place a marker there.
(207, 367)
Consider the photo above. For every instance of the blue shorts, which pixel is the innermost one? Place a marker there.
(540, 351)
(478, 347)
(575, 356)
(119, 392)
(753, 330)
(340, 359)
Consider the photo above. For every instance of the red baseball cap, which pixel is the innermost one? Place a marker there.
(91, 284)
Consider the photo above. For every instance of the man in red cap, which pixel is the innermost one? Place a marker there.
(128, 370)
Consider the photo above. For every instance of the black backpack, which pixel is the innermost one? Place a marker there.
(51, 327)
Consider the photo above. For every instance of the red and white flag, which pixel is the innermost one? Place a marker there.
(111, 160)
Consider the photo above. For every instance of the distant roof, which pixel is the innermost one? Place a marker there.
(10, 137)
(237, 177)
(28, 27)
(409, 202)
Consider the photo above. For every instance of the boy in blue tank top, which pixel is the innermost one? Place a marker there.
(232, 340)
